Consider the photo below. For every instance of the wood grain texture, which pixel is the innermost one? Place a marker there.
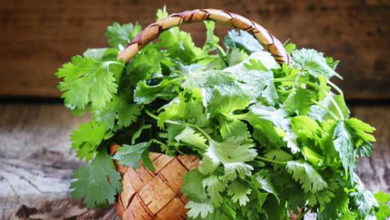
(36, 161)
(36, 37)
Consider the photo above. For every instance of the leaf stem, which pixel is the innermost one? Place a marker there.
(179, 123)
(326, 109)
(271, 161)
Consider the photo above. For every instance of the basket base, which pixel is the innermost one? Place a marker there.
(154, 195)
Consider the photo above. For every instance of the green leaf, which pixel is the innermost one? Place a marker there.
(235, 56)
(88, 81)
(101, 53)
(299, 101)
(145, 94)
(189, 136)
(214, 188)
(363, 200)
(86, 139)
(233, 154)
(262, 181)
(120, 35)
(272, 125)
(384, 208)
(196, 209)
(131, 155)
(193, 188)
(239, 191)
(243, 40)
(98, 182)
(211, 39)
(305, 174)
(326, 108)
(118, 113)
(343, 145)
(313, 62)
(234, 128)
(337, 206)
(361, 136)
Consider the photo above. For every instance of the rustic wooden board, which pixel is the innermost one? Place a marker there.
(36, 161)
(36, 37)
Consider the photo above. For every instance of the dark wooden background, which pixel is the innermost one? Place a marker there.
(36, 37)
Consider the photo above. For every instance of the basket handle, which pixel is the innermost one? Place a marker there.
(152, 31)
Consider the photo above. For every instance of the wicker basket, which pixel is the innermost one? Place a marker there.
(157, 195)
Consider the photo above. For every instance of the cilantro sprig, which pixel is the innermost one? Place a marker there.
(275, 141)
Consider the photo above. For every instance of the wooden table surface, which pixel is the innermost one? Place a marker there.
(36, 161)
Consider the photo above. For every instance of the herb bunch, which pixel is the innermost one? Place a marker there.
(275, 141)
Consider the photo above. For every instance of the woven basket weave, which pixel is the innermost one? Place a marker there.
(157, 195)
(154, 195)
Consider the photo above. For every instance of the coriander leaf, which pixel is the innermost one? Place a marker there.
(343, 145)
(130, 155)
(179, 45)
(336, 207)
(120, 35)
(192, 187)
(88, 81)
(235, 56)
(234, 128)
(145, 94)
(256, 82)
(305, 127)
(361, 135)
(262, 181)
(118, 112)
(290, 47)
(98, 182)
(191, 111)
(312, 61)
(326, 108)
(305, 174)
(189, 136)
(214, 188)
(142, 66)
(86, 139)
(161, 13)
(233, 154)
(101, 53)
(196, 209)
(239, 190)
(243, 40)
(278, 155)
(211, 40)
(226, 99)
(299, 101)
(384, 208)
(271, 125)
(363, 200)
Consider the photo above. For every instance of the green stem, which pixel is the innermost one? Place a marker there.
(335, 87)
(326, 109)
(294, 80)
(179, 123)
(271, 161)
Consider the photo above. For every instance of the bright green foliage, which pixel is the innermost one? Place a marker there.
(270, 137)
(131, 155)
(88, 81)
(384, 207)
(98, 182)
(86, 139)
(304, 173)
(121, 35)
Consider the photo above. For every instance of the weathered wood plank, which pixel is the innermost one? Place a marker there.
(38, 36)
(36, 161)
